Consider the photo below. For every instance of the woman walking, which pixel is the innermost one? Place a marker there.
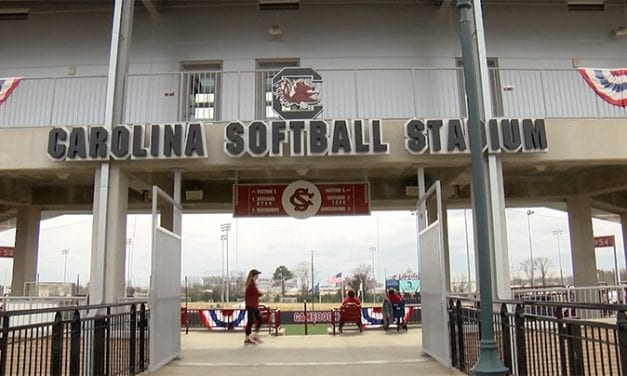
(252, 304)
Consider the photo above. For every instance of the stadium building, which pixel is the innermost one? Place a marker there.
(301, 108)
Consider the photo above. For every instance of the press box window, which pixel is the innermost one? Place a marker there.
(266, 69)
(201, 85)
(495, 86)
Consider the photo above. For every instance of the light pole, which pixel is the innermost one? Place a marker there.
(488, 362)
(533, 266)
(557, 234)
(129, 246)
(65, 252)
(223, 238)
(373, 251)
(226, 227)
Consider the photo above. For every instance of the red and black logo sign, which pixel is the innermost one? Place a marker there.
(296, 94)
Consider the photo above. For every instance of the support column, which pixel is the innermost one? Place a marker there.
(623, 221)
(108, 254)
(26, 248)
(499, 260)
(108, 270)
(581, 240)
(499, 251)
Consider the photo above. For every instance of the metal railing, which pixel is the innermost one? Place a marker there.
(35, 304)
(537, 344)
(594, 294)
(91, 340)
(346, 93)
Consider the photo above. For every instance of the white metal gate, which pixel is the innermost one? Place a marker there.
(435, 338)
(165, 283)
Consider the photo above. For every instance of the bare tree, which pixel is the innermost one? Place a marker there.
(360, 278)
(543, 265)
(303, 271)
(527, 268)
(460, 284)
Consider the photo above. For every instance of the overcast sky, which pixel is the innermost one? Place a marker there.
(339, 244)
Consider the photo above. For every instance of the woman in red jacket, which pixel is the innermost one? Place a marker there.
(252, 304)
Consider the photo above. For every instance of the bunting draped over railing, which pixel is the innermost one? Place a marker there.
(7, 85)
(609, 84)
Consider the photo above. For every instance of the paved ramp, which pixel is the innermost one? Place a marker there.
(371, 353)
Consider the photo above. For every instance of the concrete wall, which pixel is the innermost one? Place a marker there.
(322, 36)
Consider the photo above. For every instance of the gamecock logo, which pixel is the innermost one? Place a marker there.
(295, 95)
(301, 199)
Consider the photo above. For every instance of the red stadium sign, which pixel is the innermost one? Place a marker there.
(300, 199)
(7, 252)
(604, 241)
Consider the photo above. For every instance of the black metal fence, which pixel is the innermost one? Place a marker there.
(83, 340)
(546, 342)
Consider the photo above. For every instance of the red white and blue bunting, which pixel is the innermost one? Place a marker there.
(223, 319)
(372, 317)
(609, 84)
(7, 85)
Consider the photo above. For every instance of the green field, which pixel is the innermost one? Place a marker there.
(299, 329)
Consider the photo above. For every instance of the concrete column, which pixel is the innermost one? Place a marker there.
(447, 254)
(26, 248)
(108, 253)
(581, 240)
(499, 260)
(108, 269)
(623, 221)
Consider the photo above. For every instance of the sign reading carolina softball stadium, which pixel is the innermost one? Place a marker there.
(293, 138)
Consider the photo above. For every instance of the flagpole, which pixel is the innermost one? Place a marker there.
(313, 292)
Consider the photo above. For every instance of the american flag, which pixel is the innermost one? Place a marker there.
(335, 279)
(7, 85)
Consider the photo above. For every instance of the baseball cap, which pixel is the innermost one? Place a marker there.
(255, 272)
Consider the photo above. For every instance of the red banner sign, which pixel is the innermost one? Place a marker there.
(300, 199)
(7, 252)
(604, 241)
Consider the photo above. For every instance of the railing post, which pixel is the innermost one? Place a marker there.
(54, 89)
(521, 348)
(573, 332)
(460, 338)
(561, 332)
(3, 345)
(56, 355)
(132, 338)
(452, 336)
(100, 332)
(621, 324)
(507, 341)
(75, 344)
(356, 96)
(142, 337)
(108, 351)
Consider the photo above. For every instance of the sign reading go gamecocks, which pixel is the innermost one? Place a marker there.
(300, 199)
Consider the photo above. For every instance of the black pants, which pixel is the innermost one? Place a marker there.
(253, 314)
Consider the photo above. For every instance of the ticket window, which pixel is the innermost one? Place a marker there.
(266, 69)
(201, 87)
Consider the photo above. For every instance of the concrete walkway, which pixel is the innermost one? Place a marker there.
(371, 353)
